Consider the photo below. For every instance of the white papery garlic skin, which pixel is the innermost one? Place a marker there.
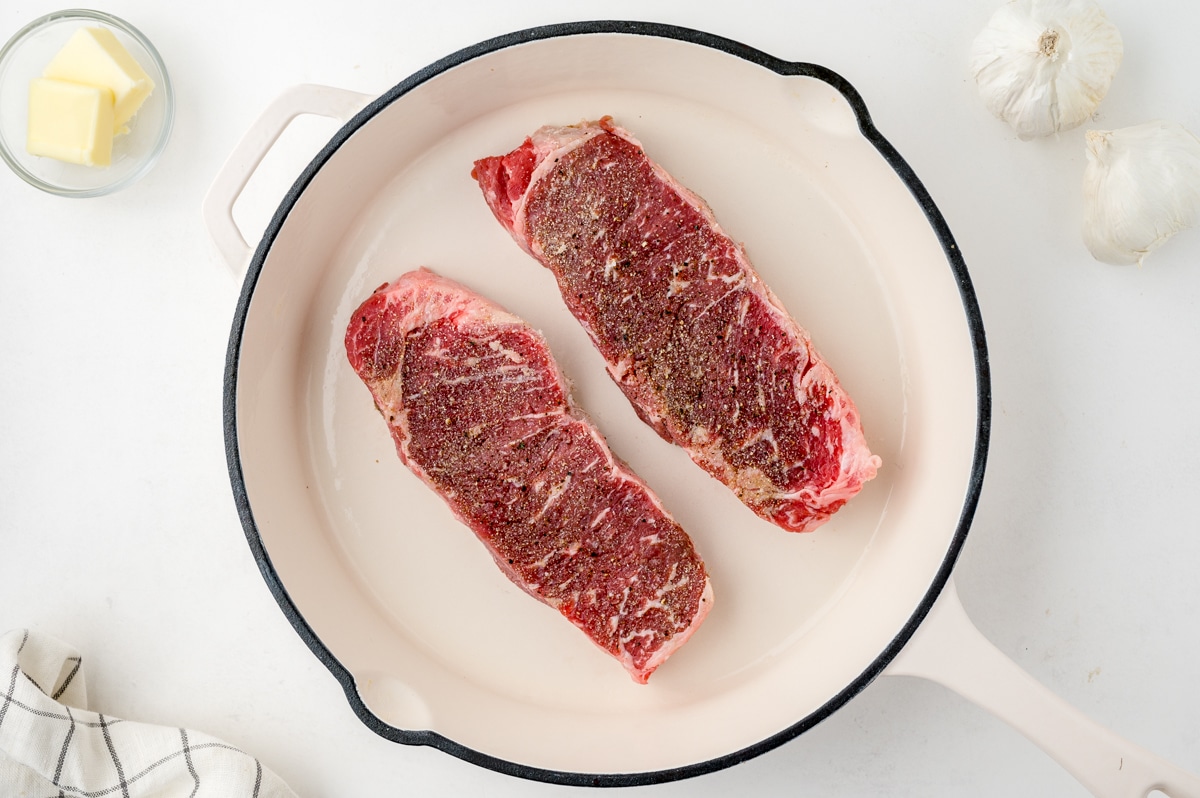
(1045, 65)
(1141, 186)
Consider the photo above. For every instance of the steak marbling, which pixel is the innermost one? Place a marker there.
(702, 348)
(479, 411)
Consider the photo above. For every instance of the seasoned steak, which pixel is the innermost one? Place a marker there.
(702, 348)
(479, 411)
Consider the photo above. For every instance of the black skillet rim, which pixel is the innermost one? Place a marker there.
(970, 307)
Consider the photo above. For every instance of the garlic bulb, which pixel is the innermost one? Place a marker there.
(1141, 186)
(1044, 65)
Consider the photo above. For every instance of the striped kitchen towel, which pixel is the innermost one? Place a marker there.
(51, 746)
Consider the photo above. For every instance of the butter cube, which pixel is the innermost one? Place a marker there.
(94, 57)
(70, 122)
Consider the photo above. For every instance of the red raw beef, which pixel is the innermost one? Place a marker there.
(702, 348)
(479, 411)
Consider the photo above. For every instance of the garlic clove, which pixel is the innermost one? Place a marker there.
(1141, 186)
(1045, 65)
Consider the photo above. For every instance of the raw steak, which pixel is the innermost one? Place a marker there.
(479, 410)
(698, 343)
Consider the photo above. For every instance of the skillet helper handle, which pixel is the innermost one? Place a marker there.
(231, 180)
(949, 650)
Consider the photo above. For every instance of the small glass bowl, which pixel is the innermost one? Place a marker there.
(134, 153)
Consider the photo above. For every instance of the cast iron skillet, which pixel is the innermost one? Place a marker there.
(430, 643)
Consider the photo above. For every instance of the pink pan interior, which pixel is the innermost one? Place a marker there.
(407, 601)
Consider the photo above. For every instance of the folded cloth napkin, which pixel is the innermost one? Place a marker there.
(51, 746)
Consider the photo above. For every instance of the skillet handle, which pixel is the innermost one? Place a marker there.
(231, 180)
(949, 650)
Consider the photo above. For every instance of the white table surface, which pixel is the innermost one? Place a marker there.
(117, 527)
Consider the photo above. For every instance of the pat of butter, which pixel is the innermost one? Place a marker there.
(70, 122)
(94, 57)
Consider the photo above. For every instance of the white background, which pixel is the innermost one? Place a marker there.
(117, 527)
